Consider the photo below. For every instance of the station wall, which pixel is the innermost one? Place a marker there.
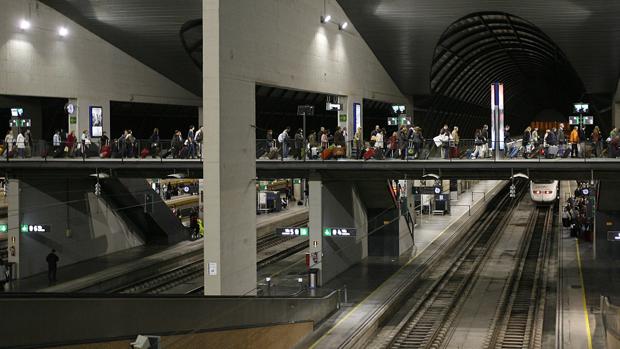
(38, 62)
(66, 203)
(274, 43)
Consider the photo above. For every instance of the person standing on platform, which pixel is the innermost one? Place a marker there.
(155, 142)
(561, 136)
(574, 141)
(190, 143)
(21, 145)
(198, 142)
(56, 142)
(52, 263)
(595, 137)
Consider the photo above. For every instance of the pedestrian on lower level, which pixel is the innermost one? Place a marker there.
(52, 264)
(3, 275)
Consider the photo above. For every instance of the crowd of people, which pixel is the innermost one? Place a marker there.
(575, 215)
(69, 145)
(408, 142)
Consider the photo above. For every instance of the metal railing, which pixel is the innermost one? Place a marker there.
(465, 149)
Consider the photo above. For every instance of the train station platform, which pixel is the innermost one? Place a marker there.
(583, 280)
(267, 222)
(374, 281)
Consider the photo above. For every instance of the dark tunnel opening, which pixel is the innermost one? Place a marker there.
(486, 47)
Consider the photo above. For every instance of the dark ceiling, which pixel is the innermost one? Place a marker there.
(148, 30)
(403, 34)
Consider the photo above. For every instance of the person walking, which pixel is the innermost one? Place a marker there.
(191, 147)
(198, 141)
(324, 140)
(71, 139)
(8, 143)
(403, 141)
(454, 147)
(418, 140)
(561, 136)
(535, 137)
(283, 139)
(574, 142)
(299, 144)
(56, 142)
(358, 143)
(479, 142)
(595, 137)
(52, 264)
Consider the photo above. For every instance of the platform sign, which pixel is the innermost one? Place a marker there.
(613, 236)
(35, 228)
(4, 228)
(294, 231)
(392, 121)
(96, 121)
(339, 232)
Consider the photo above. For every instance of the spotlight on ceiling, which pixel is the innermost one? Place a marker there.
(63, 31)
(24, 24)
(326, 19)
(343, 26)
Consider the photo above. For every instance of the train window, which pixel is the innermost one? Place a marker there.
(548, 181)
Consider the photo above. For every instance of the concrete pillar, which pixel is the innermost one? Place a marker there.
(616, 114)
(405, 242)
(14, 215)
(336, 205)
(200, 117)
(229, 167)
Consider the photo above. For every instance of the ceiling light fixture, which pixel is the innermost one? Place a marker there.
(63, 31)
(343, 26)
(24, 24)
(326, 19)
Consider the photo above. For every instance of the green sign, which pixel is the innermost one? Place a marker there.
(340, 232)
(343, 117)
(4, 228)
(35, 228)
(72, 120)
(23, 228)
(296, 181)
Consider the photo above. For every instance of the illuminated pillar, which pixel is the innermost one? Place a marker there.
(497, 118)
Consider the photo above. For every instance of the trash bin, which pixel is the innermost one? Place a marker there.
(313, 278)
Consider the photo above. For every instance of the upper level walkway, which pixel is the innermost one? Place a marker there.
(342, 169)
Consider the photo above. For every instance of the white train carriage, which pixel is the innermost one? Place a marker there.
(544, 192)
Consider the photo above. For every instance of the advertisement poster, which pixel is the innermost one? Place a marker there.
(96, 121)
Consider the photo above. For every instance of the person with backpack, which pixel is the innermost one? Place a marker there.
(283, 139)
(198, 140)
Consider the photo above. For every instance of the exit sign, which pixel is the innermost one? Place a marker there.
(4, 228)
(35, 228)
(339, 232)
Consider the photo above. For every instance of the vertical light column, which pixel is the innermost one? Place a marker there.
(616, 114)
(13, 212)
(229, 163)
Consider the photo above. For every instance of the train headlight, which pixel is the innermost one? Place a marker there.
(548, 192)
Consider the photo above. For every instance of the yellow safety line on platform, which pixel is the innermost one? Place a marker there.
(583, 296)
(380, 286)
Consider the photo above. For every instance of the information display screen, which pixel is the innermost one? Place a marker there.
(17, 112)
(613, 236)
(294, 231)
(96, 121)
(339, 232)
(392, 121)
(22, 123)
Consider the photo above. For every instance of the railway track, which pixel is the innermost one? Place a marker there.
(519, 319)
(194, 268)
(427, 324)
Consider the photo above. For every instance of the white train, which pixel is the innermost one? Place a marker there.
(544, 191)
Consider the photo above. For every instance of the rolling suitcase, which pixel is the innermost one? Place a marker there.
(566, 152)
(369, 153)
(514, 152)
(551, 152)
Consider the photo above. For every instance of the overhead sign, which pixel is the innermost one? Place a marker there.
(307, 110)
(613, 236)
(23, 123)
(392, 121)
(426, 190)
(35, 228)
(333, 106)
(4, 228)
(581, 120)
(296, 231)
(340, 232)
(17, 112)
(404, 120)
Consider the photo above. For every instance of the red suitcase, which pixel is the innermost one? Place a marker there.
(369, 153)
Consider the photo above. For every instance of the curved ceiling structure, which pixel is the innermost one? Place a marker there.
(485, 47)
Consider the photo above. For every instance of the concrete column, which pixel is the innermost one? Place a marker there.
(405, 241)
(200, 117)
(14, 215)
(336, 205)
(616, 114)
(315, 225)
(229, 164)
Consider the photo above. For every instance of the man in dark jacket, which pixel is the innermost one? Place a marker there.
(403, 141)
(52, 262)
